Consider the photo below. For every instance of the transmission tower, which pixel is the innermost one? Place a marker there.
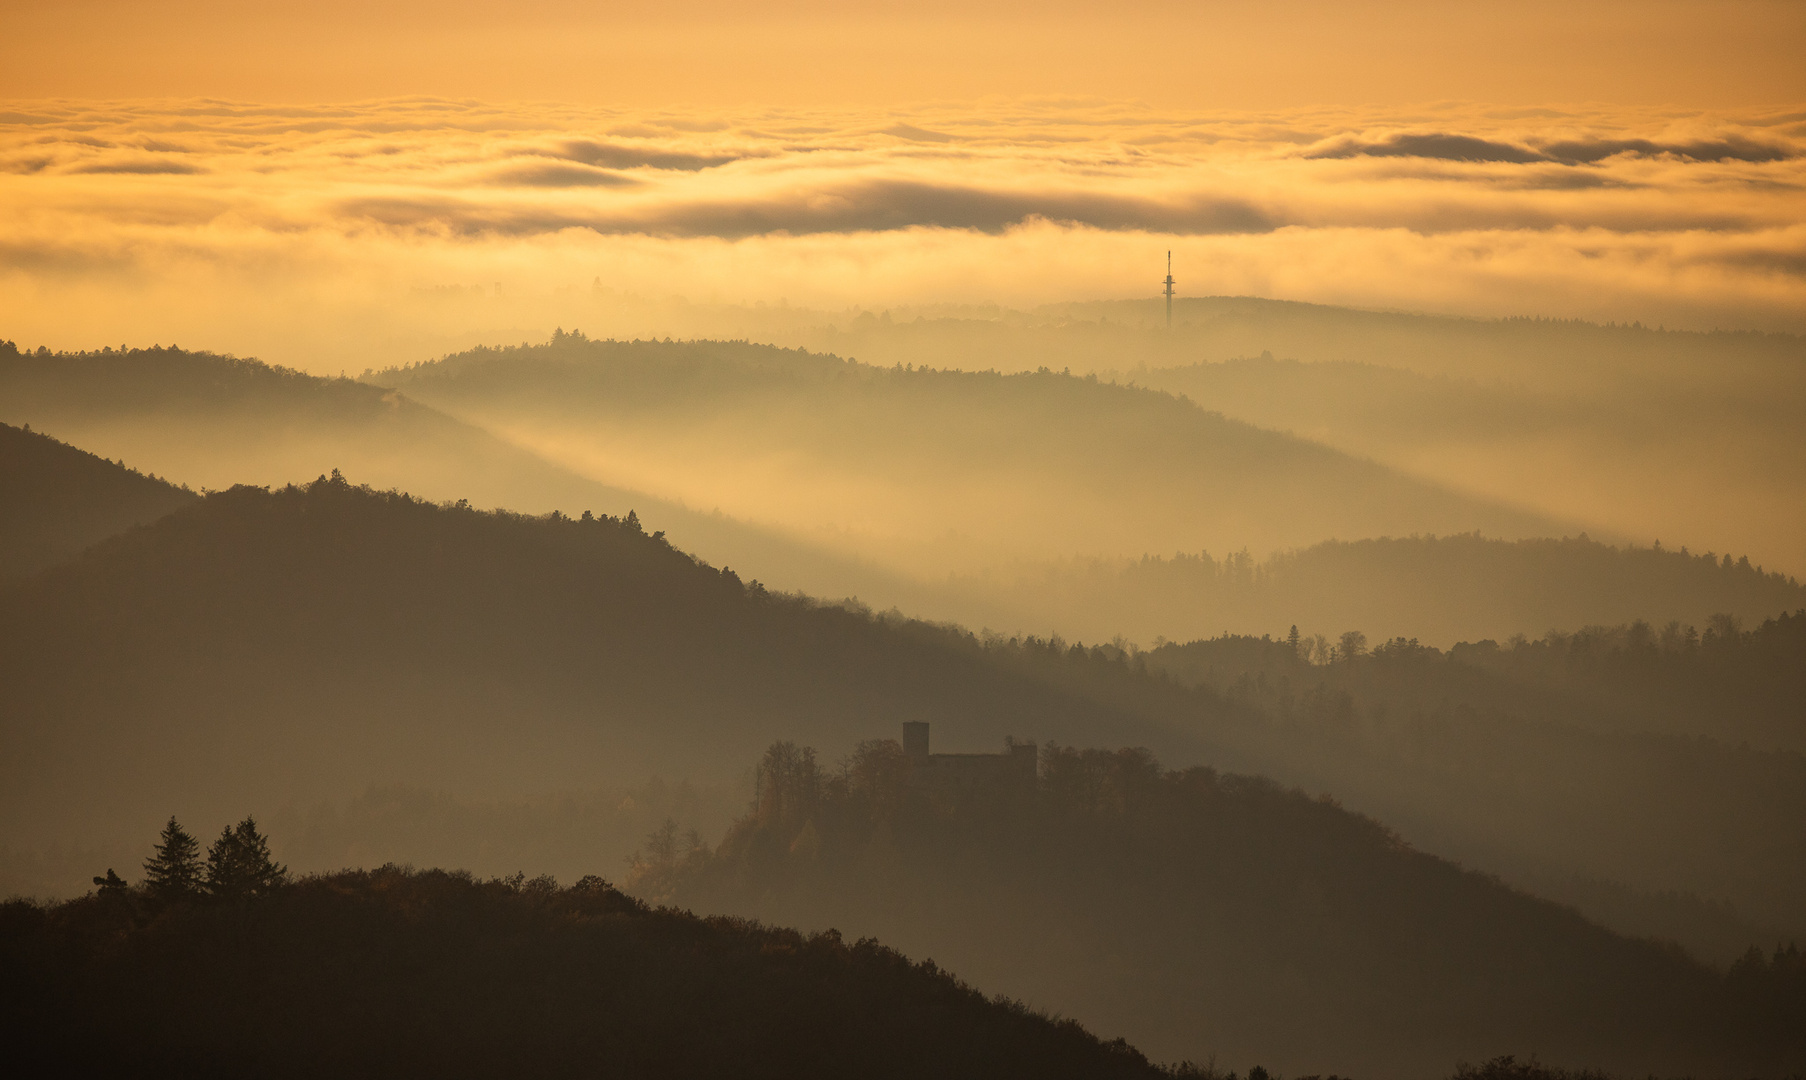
(1169, 290)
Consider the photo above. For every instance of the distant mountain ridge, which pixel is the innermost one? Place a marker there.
(1210, 914)
(1440, 589)
(216, 421)
(932, 469)
(1713, 462)
(1622, 754)
(263, 648)
(1124, 335)
(56, 500)
(305, 643)
(1689, 437)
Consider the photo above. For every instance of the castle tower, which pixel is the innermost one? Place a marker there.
(1025, 757)
(1169, 290)
(915, 740)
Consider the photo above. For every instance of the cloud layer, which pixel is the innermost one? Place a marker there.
(1447, 146)
(1663, 216)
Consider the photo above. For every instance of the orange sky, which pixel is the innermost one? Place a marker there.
(289, 179)
(813, 53)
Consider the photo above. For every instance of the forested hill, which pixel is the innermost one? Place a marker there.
(1129, 334)
(262, 649)
(1209, 914)
(1713, 463)
(1438, 589)
(934, 469)
(56, 500)
(1728, 681)
(437, 975)
(301, 644)
(212, 421)
(1666, 757)
(1689, 437)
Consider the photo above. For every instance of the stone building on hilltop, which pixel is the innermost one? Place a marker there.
(958, 774)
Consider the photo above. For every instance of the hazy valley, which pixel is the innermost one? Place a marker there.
(825, 541)
(1413, 710)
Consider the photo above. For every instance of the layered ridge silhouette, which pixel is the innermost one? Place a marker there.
(264, 648)
(308, 642)
(932, 469)
(437, 974)
(1205, 914)
(59, 500)
(1438, 589)
(213, 421)
(1632, 430)
(1668, 758)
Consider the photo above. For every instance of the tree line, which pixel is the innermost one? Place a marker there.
(1724, 680)
(1203, 912)
(395, 973)
(238, 866)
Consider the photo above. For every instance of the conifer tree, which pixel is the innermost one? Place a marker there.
(239, 863)
(112, 885)
(174, 869)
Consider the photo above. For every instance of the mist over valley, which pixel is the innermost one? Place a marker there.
(1220, 542)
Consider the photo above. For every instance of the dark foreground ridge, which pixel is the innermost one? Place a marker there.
(397, 973)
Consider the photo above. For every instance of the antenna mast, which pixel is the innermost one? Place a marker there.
(1169, 290)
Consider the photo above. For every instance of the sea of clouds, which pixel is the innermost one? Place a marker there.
(309, 233)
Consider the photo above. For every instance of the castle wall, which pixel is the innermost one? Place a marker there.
(954, 773)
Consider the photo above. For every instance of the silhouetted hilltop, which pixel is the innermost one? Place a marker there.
(393, 973)
(934, 469)
(214, 421)
(267, 648)
(306, 643)
(1127, 334)
(1713, 462)
(1632, 430)
(56, 500)
(1725, 681)
(1438, 589)
(1635, 754)
(1212, 915)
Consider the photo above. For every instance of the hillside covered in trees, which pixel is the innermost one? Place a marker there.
(1123, 335)
(1437, 589)
(56, 500)
(1634, 430)
(435, 974)
(1203, 913)
(1708, 462)
(929, 469)
(212, 421)
(280, 650)
(1726, 681)
(305, 643)
(1669, 756)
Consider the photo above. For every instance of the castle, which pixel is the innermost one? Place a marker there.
(954, 774)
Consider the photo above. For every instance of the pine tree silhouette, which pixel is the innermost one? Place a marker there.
(112, 885)
(239, 863)
(174, 870)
